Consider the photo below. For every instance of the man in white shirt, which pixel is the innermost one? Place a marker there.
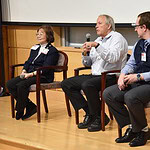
(107, 52)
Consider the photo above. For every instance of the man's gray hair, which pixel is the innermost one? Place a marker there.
(109, 20)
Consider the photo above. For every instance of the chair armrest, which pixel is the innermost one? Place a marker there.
(62, 68)
(111, 71)
(38, 75)
(52, 67)
(76, 71)
(103, 78)
(17, 65)
(12, 69)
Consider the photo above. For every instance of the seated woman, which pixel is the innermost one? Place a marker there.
(42, 54)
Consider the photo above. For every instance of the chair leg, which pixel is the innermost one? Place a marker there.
(38, 105)
(12, 107)
(103, 115)
(119, 132)
(68, 105)
(44, 101)
(77, 116)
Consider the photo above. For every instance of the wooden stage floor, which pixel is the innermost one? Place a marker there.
(56, 131)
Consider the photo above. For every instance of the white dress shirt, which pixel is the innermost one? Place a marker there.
(111, 54)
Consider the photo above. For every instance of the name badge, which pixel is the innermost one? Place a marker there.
(45, 51)
(143, 56)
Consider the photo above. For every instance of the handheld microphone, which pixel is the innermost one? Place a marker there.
(88, 36)
(22, 76)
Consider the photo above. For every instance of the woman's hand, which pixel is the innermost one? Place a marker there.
(23, 72)
(22, 75)
(28, 75)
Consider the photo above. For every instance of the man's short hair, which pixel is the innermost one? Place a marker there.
(109, 20)
(145, 19)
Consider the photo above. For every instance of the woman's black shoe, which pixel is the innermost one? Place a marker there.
(19, 115)
(31, 109)
(29, 113)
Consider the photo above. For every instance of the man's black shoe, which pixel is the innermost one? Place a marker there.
(31, 109)
(128, 136)
(87, 120)
(140, 139)
(19, 115)
(96, 124)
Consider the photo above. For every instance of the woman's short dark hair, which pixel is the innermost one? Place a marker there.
(49, 33)
(145, 19)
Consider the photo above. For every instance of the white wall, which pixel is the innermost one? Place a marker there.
(72, 11)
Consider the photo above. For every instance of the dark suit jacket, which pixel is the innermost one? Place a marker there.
(50, 56)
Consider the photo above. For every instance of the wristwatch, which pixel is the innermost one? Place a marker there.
(97, 45)
(138, 77)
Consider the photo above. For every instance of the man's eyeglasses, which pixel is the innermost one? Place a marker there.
(136, 25)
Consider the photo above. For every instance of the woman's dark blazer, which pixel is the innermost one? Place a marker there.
(48, 57)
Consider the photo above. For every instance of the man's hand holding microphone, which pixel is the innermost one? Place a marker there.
(88, 45)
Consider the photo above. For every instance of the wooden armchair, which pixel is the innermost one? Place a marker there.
(103, 85)
(61, 67)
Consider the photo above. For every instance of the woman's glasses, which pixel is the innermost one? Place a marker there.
(39, 34)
